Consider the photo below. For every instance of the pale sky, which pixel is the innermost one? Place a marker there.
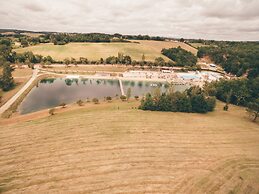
(207, 19)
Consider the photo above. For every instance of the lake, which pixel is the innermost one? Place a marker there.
(52, 92)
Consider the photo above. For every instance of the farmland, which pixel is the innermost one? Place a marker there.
(112, 148)
(95, 51)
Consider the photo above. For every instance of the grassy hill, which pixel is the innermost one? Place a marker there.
(106, 149)
(94, 51)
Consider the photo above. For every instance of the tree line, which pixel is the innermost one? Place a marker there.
(180, 56)
(192, 100)
(64, 38)
(242, 60)
(6, 79)
(241, 92)
(238, 58)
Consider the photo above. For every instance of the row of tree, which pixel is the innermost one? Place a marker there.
(6, 79)
(192, 100)
(30, 58)
(64, 38)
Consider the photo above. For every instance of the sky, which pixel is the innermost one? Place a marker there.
(206, 19)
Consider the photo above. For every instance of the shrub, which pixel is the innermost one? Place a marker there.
(63, 105)
(95, 101)
(109, 99)
(52, 111)
(136, 97)
(80, 103)
(123, 98)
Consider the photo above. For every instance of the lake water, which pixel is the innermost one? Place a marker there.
(52, 92)
(140, 88)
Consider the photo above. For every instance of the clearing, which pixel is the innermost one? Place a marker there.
(106, 149)
(95, 51)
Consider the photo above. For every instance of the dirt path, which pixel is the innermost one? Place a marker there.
(17, 95)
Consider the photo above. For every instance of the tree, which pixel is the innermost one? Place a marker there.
(228, 100)
(253, 109)
(156, 93)
(143, 58)
(127, 60)
(24, 43)
(120, 57)
(67, 61)
(101, 61)
(128, 93)
(159, 61)
(111, 60)
(109, 99)
(147, 103)
(73, 61)
(7, 81)
(83, 60)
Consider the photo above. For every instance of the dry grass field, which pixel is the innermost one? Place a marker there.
(94, 51)
(106, 149)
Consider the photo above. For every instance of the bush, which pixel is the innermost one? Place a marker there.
(80, 103)
(63, 105)
(95, 101)
(136, 97)
(52, 111)
(123, 98)
(109, 99)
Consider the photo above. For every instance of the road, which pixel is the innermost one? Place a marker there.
(19, 93)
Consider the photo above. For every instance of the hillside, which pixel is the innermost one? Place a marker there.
(106, 149)
(95, 51)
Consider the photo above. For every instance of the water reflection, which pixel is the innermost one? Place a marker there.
(52, 92)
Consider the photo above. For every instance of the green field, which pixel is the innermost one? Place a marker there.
(94, 51)
(112, 148)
